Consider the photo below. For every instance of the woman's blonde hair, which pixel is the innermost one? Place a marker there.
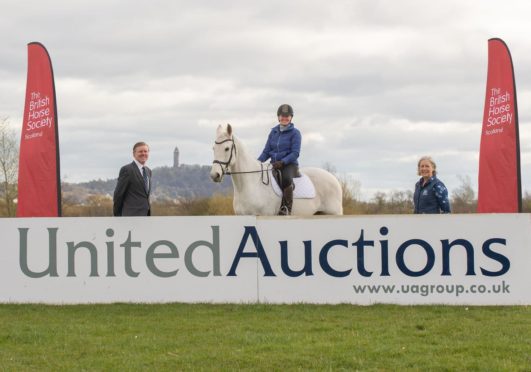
(428, 158)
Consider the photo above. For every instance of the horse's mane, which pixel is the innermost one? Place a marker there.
(226, 132)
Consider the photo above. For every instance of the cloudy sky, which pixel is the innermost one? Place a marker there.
(375, 84)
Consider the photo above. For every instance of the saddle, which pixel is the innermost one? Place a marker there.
(304, 188)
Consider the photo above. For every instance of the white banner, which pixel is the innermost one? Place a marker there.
(477, 259)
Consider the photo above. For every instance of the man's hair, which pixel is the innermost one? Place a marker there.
(138, 144)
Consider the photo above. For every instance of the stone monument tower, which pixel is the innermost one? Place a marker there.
(176, 158)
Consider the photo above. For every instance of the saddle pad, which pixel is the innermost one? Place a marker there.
(304, 188)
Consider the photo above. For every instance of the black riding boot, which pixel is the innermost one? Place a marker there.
(287, 201)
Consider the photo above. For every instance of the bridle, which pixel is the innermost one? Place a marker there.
(225, 170)
(224, 165)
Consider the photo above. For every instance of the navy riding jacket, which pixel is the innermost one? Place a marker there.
(282, 145)
(432, 197)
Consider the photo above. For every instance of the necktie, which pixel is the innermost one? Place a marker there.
(146, 180)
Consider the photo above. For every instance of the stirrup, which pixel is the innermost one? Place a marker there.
(284, 211)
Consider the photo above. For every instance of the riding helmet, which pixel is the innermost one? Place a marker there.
(285, 110)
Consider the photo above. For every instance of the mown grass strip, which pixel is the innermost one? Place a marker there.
(263, 337)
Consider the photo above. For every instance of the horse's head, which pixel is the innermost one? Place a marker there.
(224, 153)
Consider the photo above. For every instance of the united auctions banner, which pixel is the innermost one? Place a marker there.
(39, 187)
(499, 185)
(435, 259)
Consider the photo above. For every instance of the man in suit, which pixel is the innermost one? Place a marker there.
(131, 196)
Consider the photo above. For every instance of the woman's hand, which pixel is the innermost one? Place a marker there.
(278, 164)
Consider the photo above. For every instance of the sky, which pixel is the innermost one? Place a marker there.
(375, 84)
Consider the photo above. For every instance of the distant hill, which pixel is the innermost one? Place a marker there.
(183, 182)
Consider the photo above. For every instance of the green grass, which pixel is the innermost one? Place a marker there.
(264, 337)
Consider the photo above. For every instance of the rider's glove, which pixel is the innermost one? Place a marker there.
(278, 164)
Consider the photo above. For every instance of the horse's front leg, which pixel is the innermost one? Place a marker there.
(257, 205)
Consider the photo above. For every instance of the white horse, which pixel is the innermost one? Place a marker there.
(253, 193)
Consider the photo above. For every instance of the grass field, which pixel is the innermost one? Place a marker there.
(264, 337)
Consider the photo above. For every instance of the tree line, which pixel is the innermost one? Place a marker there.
(392, 202)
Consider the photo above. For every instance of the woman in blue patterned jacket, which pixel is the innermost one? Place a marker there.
(431, 196)
(283, 147)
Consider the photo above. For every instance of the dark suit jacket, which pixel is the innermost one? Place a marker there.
(130, 196)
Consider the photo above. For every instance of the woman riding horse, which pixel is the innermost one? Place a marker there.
(283, 147)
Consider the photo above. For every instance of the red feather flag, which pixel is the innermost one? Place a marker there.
(499, 184)
(39, 183)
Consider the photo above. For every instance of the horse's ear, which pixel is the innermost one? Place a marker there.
(219, 131)
(229, 130)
